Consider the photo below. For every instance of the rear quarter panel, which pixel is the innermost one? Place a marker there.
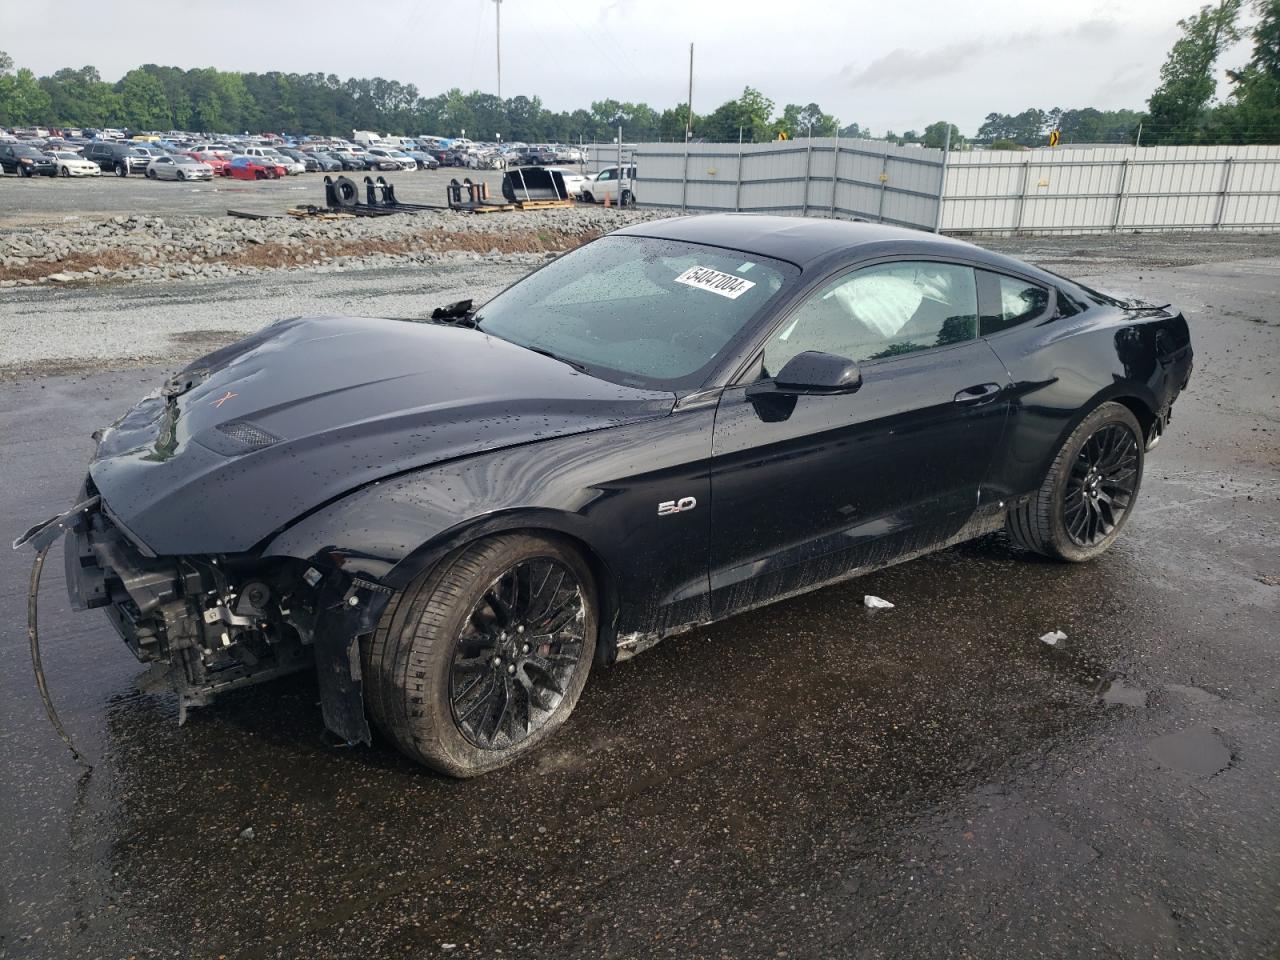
(1063, 368)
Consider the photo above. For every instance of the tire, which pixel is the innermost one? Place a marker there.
(444, 632)
(26, 172)
(64, 171)
(627, 199)
(1089, 492)
(152, 175)
(587, 197)
(182, 175)
(121, 170)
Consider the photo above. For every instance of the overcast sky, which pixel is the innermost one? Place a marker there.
(899, 64)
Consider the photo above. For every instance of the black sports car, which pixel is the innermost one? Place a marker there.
(453, 518)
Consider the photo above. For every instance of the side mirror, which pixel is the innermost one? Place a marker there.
(811, 372)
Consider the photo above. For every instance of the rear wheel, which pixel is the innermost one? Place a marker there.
(484, 657)
(1089, 492)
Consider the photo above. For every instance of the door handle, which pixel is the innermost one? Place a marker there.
(981, 393)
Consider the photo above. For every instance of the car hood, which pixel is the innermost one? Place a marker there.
(251, 437)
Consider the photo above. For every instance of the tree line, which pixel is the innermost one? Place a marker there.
(1182, 109)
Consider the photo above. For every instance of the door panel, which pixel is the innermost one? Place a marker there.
(805, 488)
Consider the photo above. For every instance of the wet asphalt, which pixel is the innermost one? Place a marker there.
(814, 779)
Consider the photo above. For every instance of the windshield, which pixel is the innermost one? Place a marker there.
(638, 310)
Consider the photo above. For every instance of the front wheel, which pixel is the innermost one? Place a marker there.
(121, 170)
(587, 197)
(484, 657)
(1089, 492)
(627, 199)
(64, 171)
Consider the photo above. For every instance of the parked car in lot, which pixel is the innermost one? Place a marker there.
(455, 519)
(271, 155)
(180, 167)
(309, 161)
(254, 168)
(574, 180)
(606, 183)
(215, 161)
(383, 158)
(26, 161)
(324, 162)
(72, 164)
(424, 160)
(349, 161)
(118, 157)
(389, 158)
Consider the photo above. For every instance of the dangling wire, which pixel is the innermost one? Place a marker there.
(34, 636)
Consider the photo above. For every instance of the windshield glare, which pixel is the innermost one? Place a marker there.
(640, 310)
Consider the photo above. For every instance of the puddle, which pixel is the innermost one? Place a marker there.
(1119, 693)
(1194, 694)
(1197, 750)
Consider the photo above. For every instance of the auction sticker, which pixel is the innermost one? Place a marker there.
(713, 281)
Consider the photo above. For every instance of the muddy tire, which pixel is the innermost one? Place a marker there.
(483, 657)
(1089, 492)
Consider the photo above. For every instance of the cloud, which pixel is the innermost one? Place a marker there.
(901, 66)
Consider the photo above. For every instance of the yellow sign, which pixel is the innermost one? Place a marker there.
(884, 178)
(782, 135)
(1054, 137)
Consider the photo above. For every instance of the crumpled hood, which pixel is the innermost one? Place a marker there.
(248, 438)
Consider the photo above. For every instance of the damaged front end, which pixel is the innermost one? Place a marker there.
(210, 624)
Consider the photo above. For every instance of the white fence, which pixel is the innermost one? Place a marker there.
(1113, 188)
(991, 192)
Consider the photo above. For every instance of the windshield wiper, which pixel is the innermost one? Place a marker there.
(581, 368)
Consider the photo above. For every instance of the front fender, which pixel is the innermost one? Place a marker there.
(602, 489)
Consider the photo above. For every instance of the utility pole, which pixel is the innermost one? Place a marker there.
(688, 119)
(498, 3)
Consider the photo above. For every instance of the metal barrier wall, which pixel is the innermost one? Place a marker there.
(993, 192)
(1113, 188)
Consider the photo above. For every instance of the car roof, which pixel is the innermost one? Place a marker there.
(809, 241)
(798, 240)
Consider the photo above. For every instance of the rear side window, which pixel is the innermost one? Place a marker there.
(1008, 301)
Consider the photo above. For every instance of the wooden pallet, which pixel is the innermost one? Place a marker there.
(543, 204)
(318, 214)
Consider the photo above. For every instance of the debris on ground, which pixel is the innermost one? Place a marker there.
(876, 603)
(1053, 637)
(246, 833)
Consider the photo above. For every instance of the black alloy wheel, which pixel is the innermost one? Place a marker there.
(517, 653)
(1101, 485)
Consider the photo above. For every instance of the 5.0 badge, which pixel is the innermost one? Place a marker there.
(668, 507)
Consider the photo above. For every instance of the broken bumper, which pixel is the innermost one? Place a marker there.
(212, 624)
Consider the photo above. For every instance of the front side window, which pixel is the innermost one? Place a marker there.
(881, 312)
(638, 310)
(1015, 302)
